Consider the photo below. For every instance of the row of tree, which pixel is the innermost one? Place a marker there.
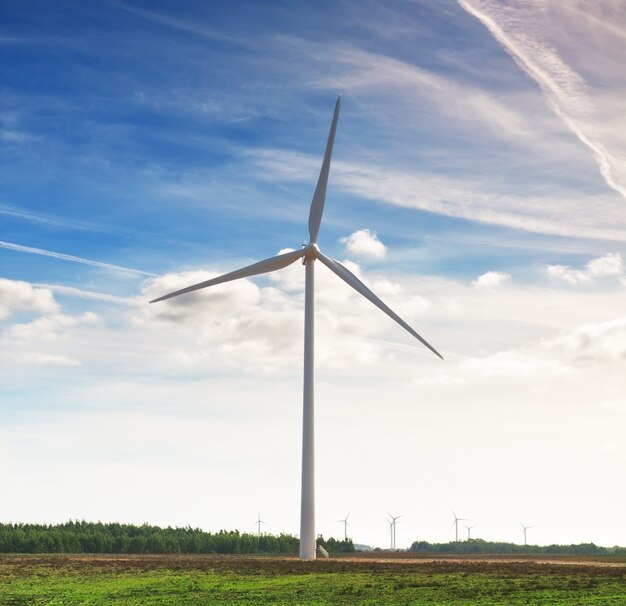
(89, 537)
(490, 547)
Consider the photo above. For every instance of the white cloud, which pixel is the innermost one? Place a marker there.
(244, 324)
(591, 343)
(197, 306)
(594, 344)
(522, 365)
(365, 243)
(491, 279)
(45, 359)
(22, 296)
(50, 327)
(564, 272)
(608, 265)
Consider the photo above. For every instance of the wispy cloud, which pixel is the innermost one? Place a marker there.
(520, 29)
(359, 70)
(72, 258)
(587, 216)
(191, 27)
(46, 219)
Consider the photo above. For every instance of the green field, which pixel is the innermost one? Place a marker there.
(193, 580)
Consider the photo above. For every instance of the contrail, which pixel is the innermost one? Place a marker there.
(64, 257)
(89, 294)
(561, 85)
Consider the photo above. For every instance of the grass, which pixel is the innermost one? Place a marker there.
(211, 580)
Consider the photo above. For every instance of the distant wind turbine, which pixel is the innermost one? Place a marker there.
(525, 528)
(456, 525)
(309, 254)
(469, 528)
(392, 528)
(345, 527)
(258, 523)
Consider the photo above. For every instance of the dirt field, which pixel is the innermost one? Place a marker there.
(363, 563)
(72, 580)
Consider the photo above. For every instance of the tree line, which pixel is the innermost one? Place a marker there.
(490, 547)
(98, 537)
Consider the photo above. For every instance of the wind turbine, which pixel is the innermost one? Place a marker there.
(456, 525)
(309, 254)
(525, 528)
(469, 528)
(392, 528)
(258, 523)
(345, 527)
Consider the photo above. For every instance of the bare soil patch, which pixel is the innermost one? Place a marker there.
(280, 565)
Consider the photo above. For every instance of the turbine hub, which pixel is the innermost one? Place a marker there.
(311, 249)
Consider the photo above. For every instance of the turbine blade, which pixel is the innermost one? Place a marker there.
(261, 267)
(347, 276)
(319, 197)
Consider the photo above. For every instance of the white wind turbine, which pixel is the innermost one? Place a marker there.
(456, 525)
(345, 527)
(309, 254)
(258, 523)
(525, 528)
(469, 529)
(392, 528)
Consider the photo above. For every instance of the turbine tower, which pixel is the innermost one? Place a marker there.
(309, 254)
(469, 528)
(345, 527)
(391, 529)
(456, 525)
(525, 528)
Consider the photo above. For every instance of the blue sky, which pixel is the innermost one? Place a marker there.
(478, 185)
